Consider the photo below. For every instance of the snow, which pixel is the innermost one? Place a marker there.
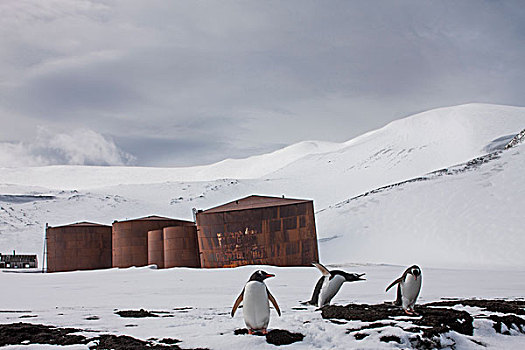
(70, 298)
(471, 218)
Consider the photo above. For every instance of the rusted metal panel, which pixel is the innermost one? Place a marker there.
(156, 248)
(130, 238)
(253, 202)
(258, 230)
(181, 248)
(80, 246)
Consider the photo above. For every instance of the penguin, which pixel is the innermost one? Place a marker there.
(408, 287)
(329, 284)
(256, 308)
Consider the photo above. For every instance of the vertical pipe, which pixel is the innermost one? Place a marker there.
(44, 253)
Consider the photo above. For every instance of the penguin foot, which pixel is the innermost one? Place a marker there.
(411, 312)
(264, 331)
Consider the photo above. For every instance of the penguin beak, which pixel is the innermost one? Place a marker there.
(268, 275)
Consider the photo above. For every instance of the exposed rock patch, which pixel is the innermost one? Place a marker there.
(275, 336)
(16, 333)
(434, 321)
(136, 313)
(26, 333)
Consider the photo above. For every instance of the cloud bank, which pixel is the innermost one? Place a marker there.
(78, 147)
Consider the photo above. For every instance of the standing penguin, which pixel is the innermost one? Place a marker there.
(408, 287)
(256, 309)
(329, 284)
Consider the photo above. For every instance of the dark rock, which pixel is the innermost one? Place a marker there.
(508, 321)
(429, 324)
(136, 314)
(361, 312)
(169, 341)
(359, 336)
(389, 338)
(241, 331)
(16, 333)
(124, 342)
(275, 336)
(283, 337)
(505, 306)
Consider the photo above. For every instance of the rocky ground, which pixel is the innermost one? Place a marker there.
(431, 328)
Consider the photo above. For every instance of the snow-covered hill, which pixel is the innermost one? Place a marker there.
(469, 215)
(453, 218)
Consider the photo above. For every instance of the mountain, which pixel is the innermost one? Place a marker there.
(431, 215)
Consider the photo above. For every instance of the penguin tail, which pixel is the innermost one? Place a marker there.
(322, 269)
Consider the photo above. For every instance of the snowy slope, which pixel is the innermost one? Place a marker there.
(407, 148)
(469, 215)
(328, 174)
(87, 177)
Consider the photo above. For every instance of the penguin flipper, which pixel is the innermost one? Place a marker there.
(394, 283)
(314, 300)
(274, 302)
(237, 302)
(321, 268)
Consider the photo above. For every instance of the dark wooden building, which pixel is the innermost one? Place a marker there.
(15, 261)
(258, 230)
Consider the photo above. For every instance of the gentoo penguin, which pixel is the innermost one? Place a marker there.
(408, 287)
(256, 309)
(329, 284)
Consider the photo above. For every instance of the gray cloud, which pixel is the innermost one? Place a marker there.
(76, 147)
(229, 79)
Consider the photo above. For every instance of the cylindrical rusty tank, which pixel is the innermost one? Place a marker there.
(181, 248)
(80, 246)
(258, 230)
(156, 248)
(130, 238)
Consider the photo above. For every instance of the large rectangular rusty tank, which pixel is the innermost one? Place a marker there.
(130, 238)
(258, 230)
(80, 246)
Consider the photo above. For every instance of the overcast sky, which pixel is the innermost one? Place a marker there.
(176, 83)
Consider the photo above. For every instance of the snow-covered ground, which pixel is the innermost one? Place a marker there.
(464, 227)
(199, 303)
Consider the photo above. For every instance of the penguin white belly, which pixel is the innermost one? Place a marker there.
(256, 309)
(410, 290)
(330, 289)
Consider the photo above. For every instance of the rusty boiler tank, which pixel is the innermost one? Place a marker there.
(181, 247)
(156, 248)
(80, 246)
(130, 238)
(258, 230)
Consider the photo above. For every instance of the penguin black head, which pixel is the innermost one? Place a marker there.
(349, 277)
(260, 276)
(415, 271)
